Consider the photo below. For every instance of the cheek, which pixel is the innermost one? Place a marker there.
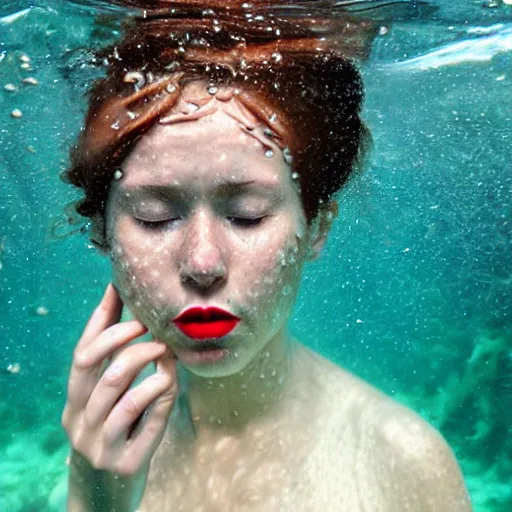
(276, 275)
(138, 265)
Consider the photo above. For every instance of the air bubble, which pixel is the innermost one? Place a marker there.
(135, 77)
(269, 153)
(213, 90)
(42, 311)
(31, 81)
(118, 174)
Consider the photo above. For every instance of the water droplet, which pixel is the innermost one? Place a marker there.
(25, 66)
(288, 158)
(272, 118)
(118, 174)
(170, 88)
(269, 153)
(277, 56)
(213, 90)
(17, 113)
(10, 87)
(25, 58)
(286, 290)
(115, 125)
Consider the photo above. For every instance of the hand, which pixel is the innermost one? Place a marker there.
(102, 417)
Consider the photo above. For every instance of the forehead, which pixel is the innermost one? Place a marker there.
(213, 147)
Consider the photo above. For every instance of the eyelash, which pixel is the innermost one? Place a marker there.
(241, 222)
(244, 222)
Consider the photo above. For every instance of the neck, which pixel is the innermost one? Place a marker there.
(232, 403)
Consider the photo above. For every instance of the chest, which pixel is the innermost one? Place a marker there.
(268, 474)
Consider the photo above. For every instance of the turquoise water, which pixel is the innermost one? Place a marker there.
(413, 292)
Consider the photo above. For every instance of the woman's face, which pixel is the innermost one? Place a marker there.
(203, 215)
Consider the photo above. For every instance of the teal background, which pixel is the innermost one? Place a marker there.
(412, 292)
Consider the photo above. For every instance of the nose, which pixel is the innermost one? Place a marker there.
(203, 266)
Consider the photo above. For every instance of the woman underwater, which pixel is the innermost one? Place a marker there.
(209, 159)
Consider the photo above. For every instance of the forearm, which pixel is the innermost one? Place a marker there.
(93, 490)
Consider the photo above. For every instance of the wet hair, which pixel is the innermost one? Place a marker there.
(299, 69)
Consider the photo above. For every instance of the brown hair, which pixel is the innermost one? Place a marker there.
(299, 69)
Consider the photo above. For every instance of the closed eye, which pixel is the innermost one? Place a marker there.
(245, 222)
(155, 224)
(241, 222)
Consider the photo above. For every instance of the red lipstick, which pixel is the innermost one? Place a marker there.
(206, 322)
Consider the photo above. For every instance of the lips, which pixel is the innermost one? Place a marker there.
(208, 322)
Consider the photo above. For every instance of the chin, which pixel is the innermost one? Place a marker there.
(217, 363)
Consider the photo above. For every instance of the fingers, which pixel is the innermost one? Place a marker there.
(102, 414)
(107, 313)
(88, 360)
(117, 379)
(152, 429)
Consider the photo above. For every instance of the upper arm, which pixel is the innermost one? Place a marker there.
(428, 462)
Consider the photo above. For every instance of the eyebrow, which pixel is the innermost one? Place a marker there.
(165, 192)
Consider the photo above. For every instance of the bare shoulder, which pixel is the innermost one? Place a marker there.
(396, 442)
(420, 452)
